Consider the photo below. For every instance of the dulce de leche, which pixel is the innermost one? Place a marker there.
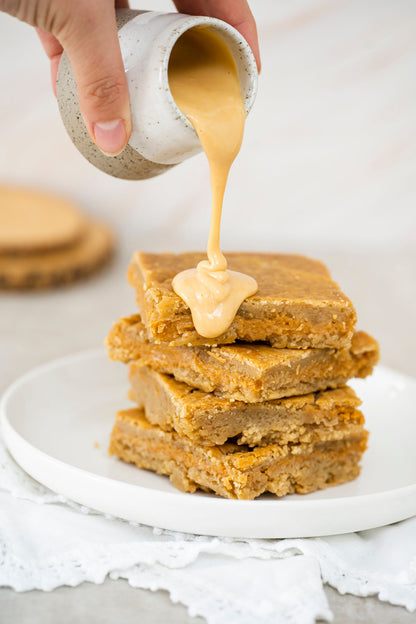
(204, 83)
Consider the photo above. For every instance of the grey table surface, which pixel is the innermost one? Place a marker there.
(327, 170)
(116, 601)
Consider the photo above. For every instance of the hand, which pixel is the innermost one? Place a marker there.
(235, 12)
(87, 31)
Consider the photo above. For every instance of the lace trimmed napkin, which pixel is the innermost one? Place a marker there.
(47, 541)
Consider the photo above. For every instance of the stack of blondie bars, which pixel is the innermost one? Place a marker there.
(262, 408)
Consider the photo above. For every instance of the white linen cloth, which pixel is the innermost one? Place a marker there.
(47, 542)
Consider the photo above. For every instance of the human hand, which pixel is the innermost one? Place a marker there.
(87, 31)
(235, 12)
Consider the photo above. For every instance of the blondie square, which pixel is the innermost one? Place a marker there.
(233, 471)
(207, 420)
(297, 305)
(248, 372)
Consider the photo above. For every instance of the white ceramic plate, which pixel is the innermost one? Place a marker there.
(57, 420)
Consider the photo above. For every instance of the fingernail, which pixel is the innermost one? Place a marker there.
(110, 136)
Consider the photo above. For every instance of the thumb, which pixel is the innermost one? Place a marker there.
(92, 45)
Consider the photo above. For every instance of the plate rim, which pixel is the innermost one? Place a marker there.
(10, 435)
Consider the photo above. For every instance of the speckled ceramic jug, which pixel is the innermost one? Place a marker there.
(161, 135)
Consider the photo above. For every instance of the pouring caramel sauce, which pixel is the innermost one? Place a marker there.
(204, 82)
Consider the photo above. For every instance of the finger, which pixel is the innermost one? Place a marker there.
(237, 13)
(191, 7)
(91, 43)
(54, 50)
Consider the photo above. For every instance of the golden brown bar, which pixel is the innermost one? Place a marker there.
(207, 420)
(244, 371)
(233, 471)
(297, 304)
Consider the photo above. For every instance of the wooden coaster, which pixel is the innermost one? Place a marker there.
(58, 266)
(31, 221)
